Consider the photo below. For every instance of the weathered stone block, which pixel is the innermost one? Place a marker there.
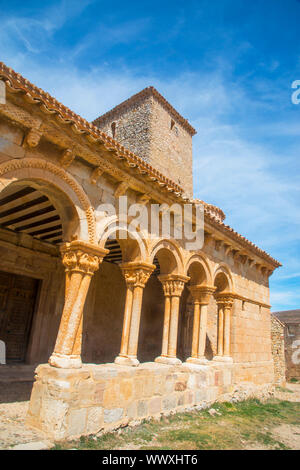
(169, 403)
(155, 406)
(113, 415)
(94, 421)
(77, 422)
(142, 408)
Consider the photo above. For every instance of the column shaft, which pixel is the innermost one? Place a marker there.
(81, 260)
(136, 275)
(172, 347)
(135, 321)
(227, 331)
(167, 313)
(220, 330)
(127, 321)
(73, 284)
(196, 325)
(202, 332)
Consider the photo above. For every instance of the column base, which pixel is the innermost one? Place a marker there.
(222, 359)
(197, 360)
(168, 360)
(127, 361)
(65, 361)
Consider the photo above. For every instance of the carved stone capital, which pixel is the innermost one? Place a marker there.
(79, 256)
(201, 294)
(33, 137)
(137, 274)
(225, 299)
(173, 284)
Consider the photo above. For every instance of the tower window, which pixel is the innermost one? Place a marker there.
(113, 129)
(173, 127)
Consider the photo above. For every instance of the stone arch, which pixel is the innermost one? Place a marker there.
(169, 256)
(198, 269)
(223, 280)
(50, 175)
(132, 244)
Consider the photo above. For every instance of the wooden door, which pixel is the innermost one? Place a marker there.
(17, 302)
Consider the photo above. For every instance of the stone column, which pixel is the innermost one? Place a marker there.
(201, 295)
(224, 302)
(81, 260)
(173, 285)
(136, 276)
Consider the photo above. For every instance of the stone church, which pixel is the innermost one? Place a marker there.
(121, 328)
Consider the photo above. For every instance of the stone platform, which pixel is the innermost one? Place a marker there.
(68, 403)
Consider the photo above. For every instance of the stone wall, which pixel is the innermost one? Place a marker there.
(70, 403)
(292, 351)
(132, 127)
(171, 148)
(277, 336)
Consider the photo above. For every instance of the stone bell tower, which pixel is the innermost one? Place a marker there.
(150, 127)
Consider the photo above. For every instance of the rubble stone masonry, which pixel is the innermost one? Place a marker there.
(277, 336)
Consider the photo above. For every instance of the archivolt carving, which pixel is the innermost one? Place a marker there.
(37, 163)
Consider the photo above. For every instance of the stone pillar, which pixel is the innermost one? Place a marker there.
(201, 296)
(136, 276)
(81, 260)
(173, 285)
(225, 303)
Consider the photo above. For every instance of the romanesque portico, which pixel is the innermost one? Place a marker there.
(87, 305)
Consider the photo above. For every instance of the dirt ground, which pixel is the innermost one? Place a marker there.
(14, 404)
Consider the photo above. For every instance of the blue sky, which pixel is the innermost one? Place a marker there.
(226, 65)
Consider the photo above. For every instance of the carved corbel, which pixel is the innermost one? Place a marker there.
(67, 158)
(121, 189)
(235, 254)
(218, 244)
(143, 199)
(243, 258)
(228, 249)
(263, 270)
(208, 238)
(96, 173)
(32, 138)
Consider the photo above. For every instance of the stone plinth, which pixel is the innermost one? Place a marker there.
(67, 403)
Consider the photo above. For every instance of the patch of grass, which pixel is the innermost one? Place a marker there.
(267, 440)
(294, 380)
(236, 426)
(283, 389)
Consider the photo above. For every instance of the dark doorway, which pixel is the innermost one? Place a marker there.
(17, 302)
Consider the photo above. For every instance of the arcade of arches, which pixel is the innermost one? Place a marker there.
(120, 329)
